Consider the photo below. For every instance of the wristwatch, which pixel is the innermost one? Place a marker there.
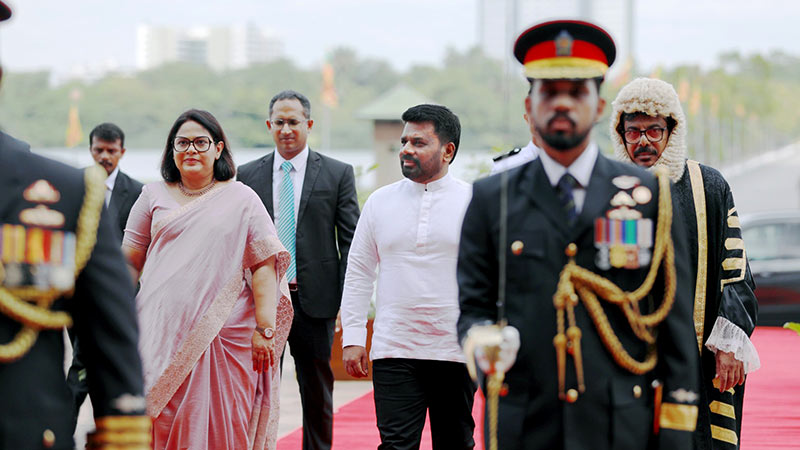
(268, 332)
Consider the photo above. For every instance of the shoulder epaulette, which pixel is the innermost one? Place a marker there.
(511, 152)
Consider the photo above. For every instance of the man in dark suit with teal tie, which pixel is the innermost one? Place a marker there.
(312, 199)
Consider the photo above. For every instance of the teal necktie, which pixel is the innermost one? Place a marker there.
(286, 224)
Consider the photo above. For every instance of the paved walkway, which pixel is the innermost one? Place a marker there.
(291, 412)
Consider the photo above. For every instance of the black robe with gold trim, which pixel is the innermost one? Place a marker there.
(724, 289)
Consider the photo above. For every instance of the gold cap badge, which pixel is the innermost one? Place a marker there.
(564, 42)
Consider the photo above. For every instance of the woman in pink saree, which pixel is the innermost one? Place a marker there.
(213, 306)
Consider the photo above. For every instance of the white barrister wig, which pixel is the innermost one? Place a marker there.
(654, 98)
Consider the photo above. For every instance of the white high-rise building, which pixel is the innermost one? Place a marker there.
(220, 48)
(501, 21)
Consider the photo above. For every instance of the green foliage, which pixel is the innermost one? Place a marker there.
(744, 105)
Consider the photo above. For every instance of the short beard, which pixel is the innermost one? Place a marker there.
(419, 173)
(563, 141)
(411, 173)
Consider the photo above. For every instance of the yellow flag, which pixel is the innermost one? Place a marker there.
(329, 97)
(74, 132)
(683, 90)
(694, 103)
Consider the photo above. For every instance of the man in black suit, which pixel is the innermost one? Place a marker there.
(61, 266)
(597, 292)
(312, 199)
(107, 145)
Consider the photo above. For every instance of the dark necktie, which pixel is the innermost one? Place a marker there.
(564, 188)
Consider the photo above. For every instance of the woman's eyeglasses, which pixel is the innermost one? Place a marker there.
(201, 144)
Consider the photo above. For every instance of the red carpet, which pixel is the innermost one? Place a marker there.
(772, 398)
(354, 427)
(771, 411)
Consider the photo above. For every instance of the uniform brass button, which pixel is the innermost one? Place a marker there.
(516, 247)
(571, 250)
(572, 396)
(48, 439)
(637, 391)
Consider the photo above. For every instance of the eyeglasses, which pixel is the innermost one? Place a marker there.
(201, 144)
(293, 123)
(653, 134)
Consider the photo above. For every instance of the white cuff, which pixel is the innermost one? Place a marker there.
(354, 336)
(728, 337)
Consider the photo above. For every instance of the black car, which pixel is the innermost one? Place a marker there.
(772, 241)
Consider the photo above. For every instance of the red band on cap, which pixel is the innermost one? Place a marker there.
(580, 49)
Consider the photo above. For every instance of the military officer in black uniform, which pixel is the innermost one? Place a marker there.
(596, 304)
(61, 266)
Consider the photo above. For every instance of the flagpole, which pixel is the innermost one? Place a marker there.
(326, 127)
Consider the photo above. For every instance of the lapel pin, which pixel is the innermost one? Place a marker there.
(622, 198)
(642, 195)
(624, 213)
(41, 191)
(516, 247)
(42, 216)
(625, 182)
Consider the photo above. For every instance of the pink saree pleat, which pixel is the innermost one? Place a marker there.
(197, 315)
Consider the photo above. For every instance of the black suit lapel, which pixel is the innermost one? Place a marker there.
(312, 170)
(261, 182)
(536, 186)
(598, 196)
(120, 193)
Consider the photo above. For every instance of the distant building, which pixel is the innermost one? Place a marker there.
(501, 21)
(220, 48)
(386, 113)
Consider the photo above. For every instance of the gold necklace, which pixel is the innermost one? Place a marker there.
(202, 191)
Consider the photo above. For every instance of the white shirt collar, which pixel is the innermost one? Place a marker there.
(581, 168)
(531, 147)
(112, 179)
(433, 185)
(298, 162)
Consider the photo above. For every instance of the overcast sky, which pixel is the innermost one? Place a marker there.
(59, 35)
